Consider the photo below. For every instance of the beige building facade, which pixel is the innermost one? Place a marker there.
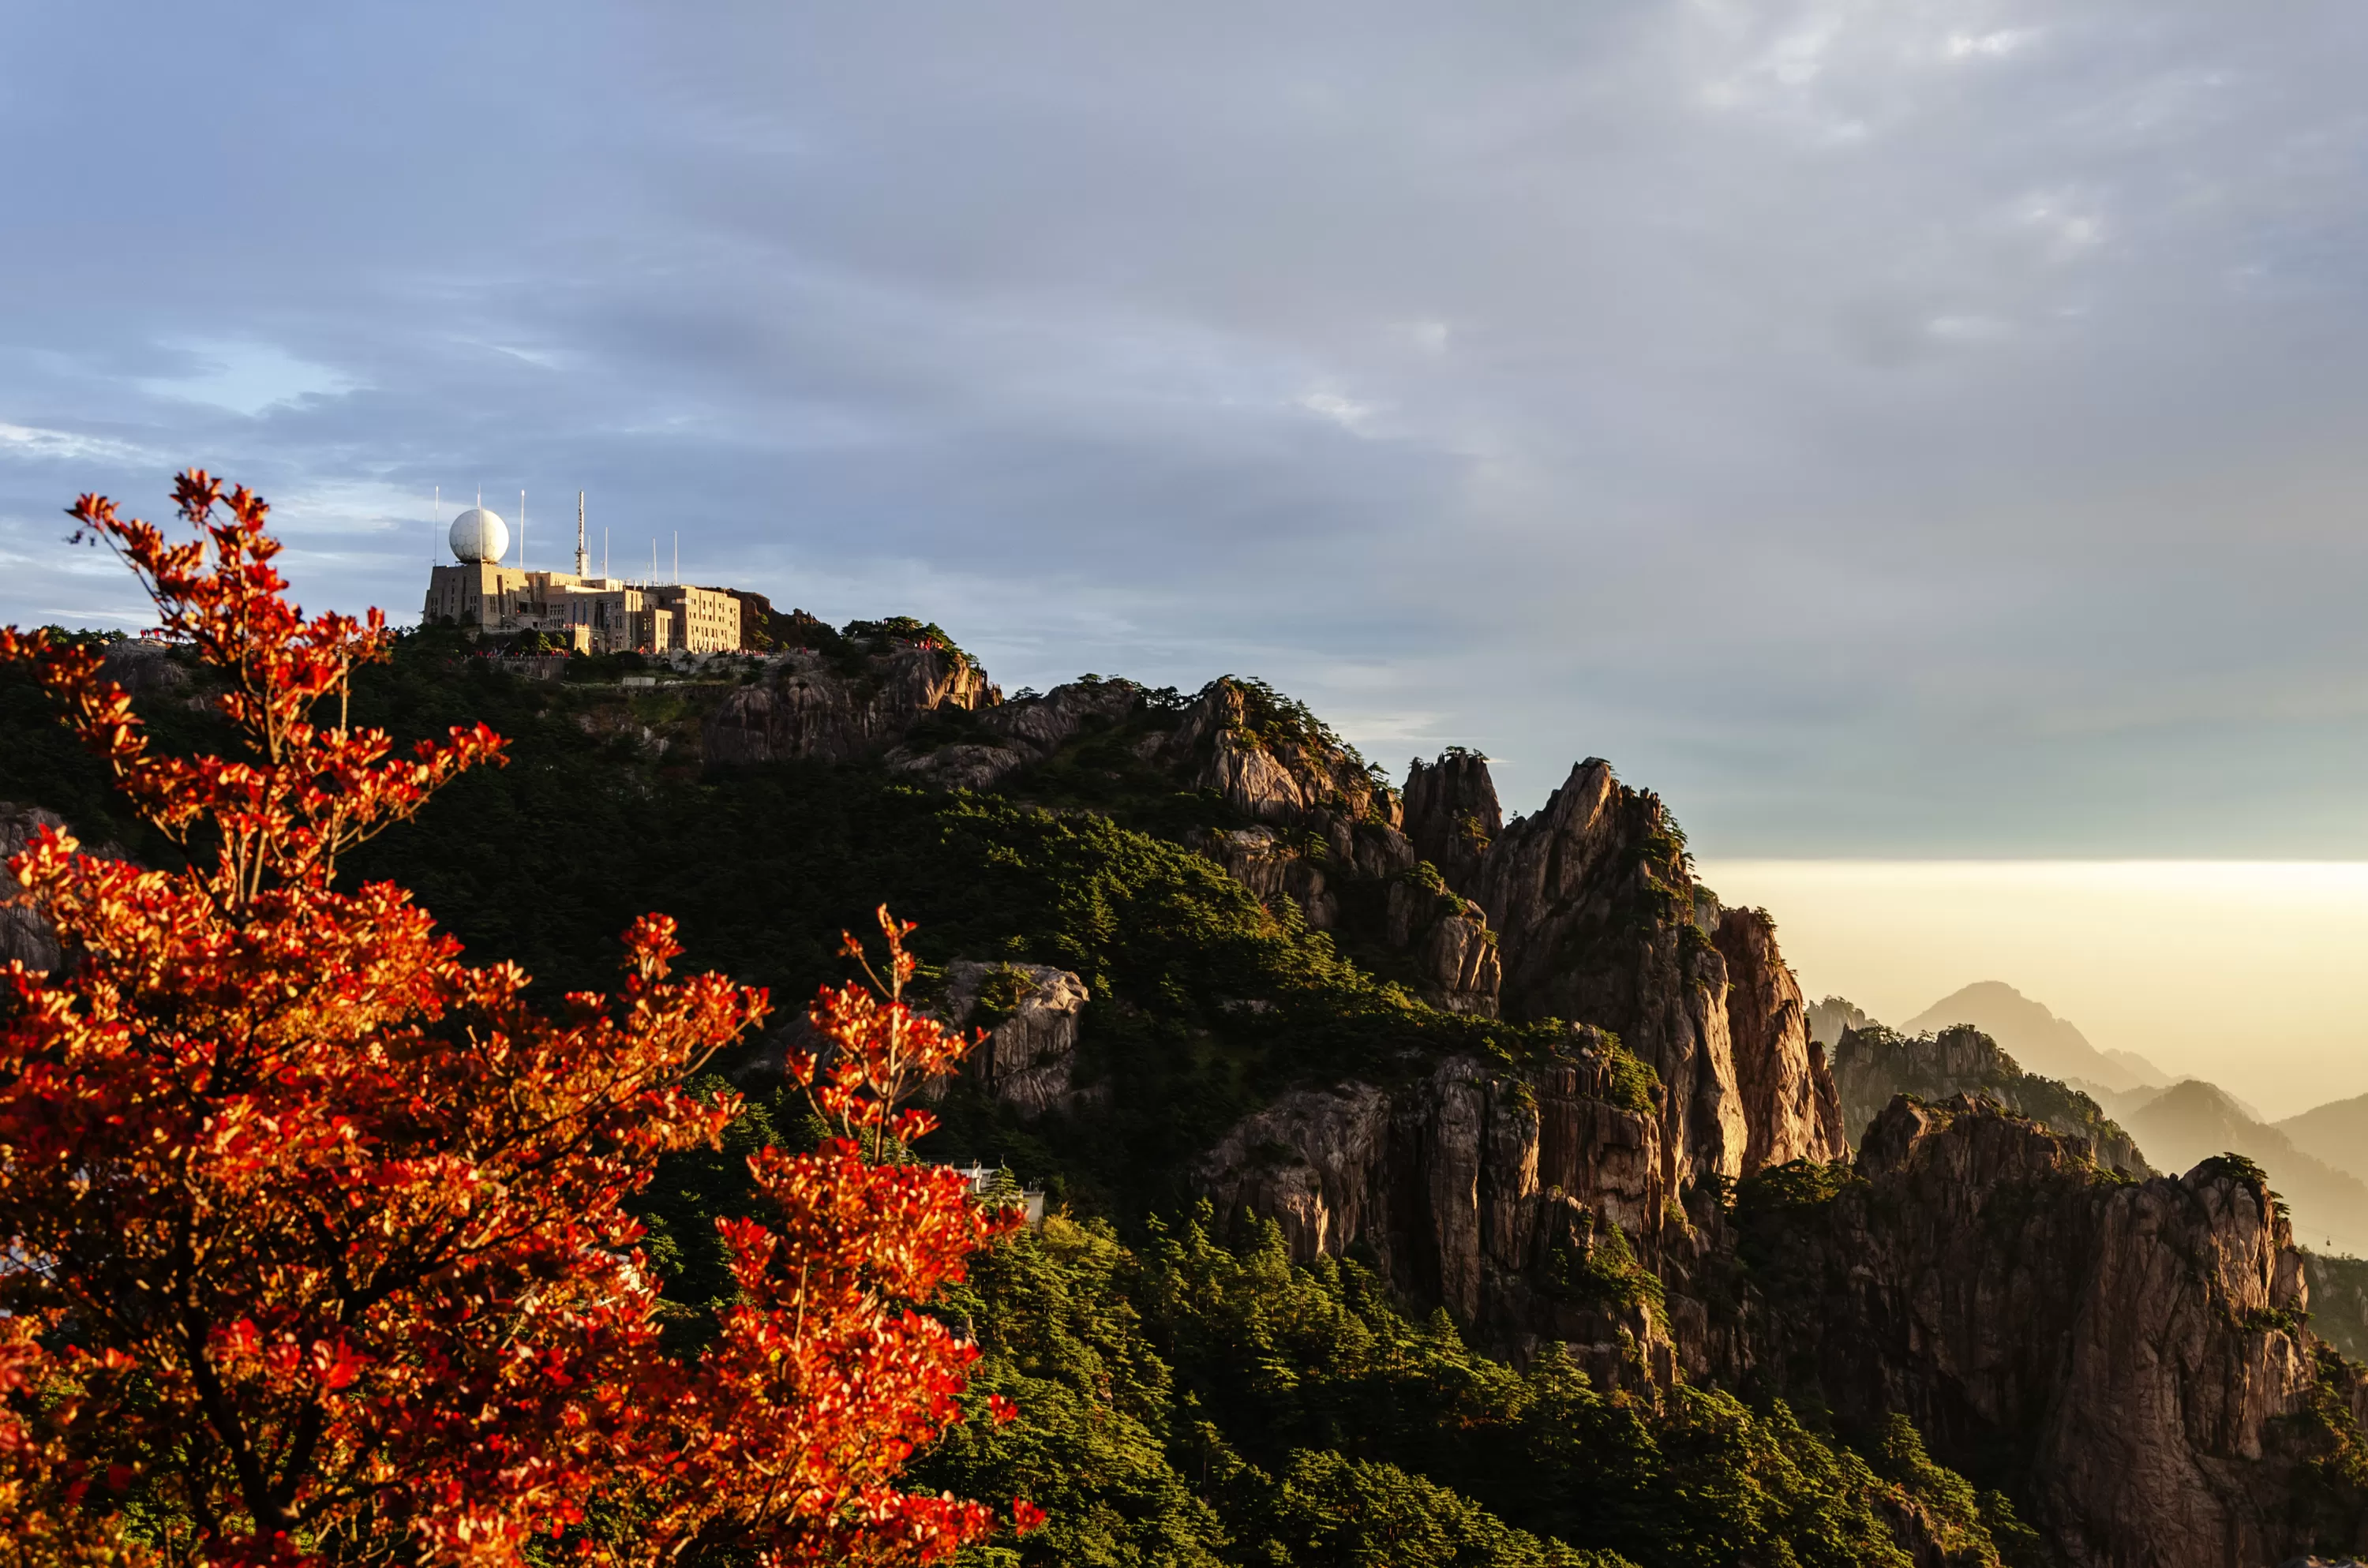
(593, 615)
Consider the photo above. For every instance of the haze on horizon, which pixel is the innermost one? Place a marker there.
(1917, 432)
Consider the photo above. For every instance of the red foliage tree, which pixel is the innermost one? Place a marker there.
(317, 1245)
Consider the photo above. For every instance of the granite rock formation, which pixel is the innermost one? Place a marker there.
(1006, 737)
(1451, 813)
(1594, 911)
(1271, 761)
(812, 706)
(2126, 1351)
(1030, 1012)
(2134, 1348)
(1518, 1200)
(1598, 920)
(1791, 1108)
(1328, 838)
(146, 668)
(1872, 1065)
(1448, 939)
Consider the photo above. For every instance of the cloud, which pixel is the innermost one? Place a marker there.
(26, 443)
(1994, 45)
(1347, 413)
(1808, 406)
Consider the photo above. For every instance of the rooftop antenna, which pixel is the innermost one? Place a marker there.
(652, 580)
(521, 531)
(678, 558)
(436, 511)
(579, 533)
(604, 555)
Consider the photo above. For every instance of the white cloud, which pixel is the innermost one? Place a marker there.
(30, 441)
(1994, 45)
(1967, 328)
(2067, 225)
(1347, 413)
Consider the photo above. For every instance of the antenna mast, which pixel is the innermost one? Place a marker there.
(678, 558)
(437, 511)
(521, 531)
(579, 533)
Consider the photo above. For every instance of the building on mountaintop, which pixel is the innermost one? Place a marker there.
(590, 614)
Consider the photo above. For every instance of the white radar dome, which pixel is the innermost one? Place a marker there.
(479, 535)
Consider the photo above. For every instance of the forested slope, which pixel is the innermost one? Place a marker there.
(1529, 1095)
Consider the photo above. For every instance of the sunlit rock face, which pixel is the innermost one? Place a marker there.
(1030, 1012)
(1494, 1193)
(810, 708)
(1790, 1108)
(2139, 1345)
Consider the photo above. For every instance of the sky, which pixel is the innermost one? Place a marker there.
(2236, 972)
(1896, 430)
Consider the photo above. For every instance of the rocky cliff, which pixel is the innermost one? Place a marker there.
(1872, 1065)
(836, 708)
(1586, 912)
(1271, 759)
(1002, 738)
(2129, 1354)
(1322, 832)
(1518, 1198)
(1451, 813)
(1597, 920)
(1030, 1012)
(1792, 1109)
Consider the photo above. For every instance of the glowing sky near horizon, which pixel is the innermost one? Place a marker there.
(2244, 972)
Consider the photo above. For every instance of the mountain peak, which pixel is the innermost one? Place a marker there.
(2044, 1043)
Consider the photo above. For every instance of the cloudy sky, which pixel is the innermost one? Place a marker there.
(1895, 429)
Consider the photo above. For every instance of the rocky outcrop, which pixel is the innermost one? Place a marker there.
(2135, 1345)
(1009, 736)
(1872, 1065)
(1329, 839)
(1832, 1017)
(1271, 864)
(26, 934)
(1030, 1012)
(815, 706)
(1587, 912)
(144, 667)
(1526, 1202)
(1791, 1110)
(1447, 940)
(1452, 813)
(1271, 759)
(1594, 910)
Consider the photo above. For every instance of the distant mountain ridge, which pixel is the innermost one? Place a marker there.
(2191, 1121)
(2317, 1162)
(2337, 1133)
(2034, 1036)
